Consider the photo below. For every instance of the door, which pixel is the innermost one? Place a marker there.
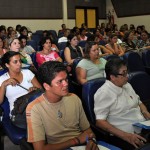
(87, 16)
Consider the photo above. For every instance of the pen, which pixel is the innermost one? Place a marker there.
(87, 139)
(22, 87)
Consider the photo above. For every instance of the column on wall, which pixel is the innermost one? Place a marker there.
(65, 15)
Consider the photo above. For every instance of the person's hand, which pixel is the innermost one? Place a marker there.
(134, 139)
(32, 89)
(11, 81)
(83, 137)
(91, 145)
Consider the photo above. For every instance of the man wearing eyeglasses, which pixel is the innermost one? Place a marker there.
(117, 107)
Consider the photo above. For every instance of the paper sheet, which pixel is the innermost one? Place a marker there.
(83, 148)
(146, 123)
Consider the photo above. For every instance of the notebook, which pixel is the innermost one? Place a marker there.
(144, 124)
(83, 148)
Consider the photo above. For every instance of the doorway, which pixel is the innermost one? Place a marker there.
(87, 16)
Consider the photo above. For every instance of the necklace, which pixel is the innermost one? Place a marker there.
(55, 107)
(60, 110)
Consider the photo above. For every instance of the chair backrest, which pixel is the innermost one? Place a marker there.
(74, 65)
(62, 45)
(36, 37)
(146, 58)
(140, 82)
(88, 91)
(112, 56)
(33, 44)
(82, 44)
(134, 61)
(33, 57)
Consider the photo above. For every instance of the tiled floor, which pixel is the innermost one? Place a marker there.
(8, 145)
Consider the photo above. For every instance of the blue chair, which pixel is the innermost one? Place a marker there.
(88, 91)
(112, 56)
(62, 45)
(140, 82)
(33, 57)
(134, 62)
(15, 134)
(36, 37)
(39, 32)
(33, 44)
(82, 44)
(146, 58)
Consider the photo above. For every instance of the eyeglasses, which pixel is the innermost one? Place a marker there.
(124, 74)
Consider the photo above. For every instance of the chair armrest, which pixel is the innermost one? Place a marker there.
(1, 113)
(100, 133)
(147, 69)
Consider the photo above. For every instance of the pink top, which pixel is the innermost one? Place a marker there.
(41, 58)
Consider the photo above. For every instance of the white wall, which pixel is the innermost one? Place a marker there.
(47, 24)
(34, 24)
(136, 20)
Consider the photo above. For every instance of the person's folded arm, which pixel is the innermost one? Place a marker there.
(81, 75)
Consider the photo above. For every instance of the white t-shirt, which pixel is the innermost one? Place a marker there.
(62, 39)
(13, 92)
(119, 106)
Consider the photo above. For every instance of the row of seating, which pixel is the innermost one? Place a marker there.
(140, 82)
(139, 79)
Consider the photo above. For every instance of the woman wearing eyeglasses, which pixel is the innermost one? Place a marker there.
(92, 66)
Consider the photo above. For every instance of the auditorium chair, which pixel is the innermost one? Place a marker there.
(134, 62)
(88, 91)
(140, 82)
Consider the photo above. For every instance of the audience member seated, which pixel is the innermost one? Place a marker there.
(64, 38)
(128, 43)
(92, 66)
(103, 51)
(117, 107)
(24, 47)
(97, 33)
(18, 27)
(56, 119)
(113, 46)
(47, 53)
(3, 35)
(82, 36)
(8, 82)
(46, 33)
(72, 51)
(2, 49)
(144, 42)
(61, 32)
(14, 45)
(24, 31)
(11, 34)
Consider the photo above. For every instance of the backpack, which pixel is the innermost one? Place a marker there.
(19, 111)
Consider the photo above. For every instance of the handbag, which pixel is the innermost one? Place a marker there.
(19, 111)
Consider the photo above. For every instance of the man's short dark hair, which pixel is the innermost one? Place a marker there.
(48, 71)
(113, 66)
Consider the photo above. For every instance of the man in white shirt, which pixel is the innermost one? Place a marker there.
(117, 111)
(64, 38)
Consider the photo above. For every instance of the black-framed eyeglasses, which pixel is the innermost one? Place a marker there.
(124, 74)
